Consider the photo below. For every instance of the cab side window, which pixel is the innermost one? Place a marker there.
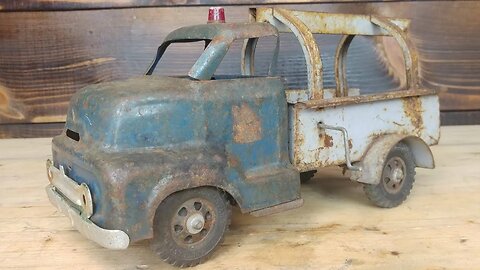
(230, 65)
(264, 54)
(179, 58)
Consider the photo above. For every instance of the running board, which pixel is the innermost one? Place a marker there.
(277, 208)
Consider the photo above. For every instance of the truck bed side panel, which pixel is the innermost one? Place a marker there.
(313, 148)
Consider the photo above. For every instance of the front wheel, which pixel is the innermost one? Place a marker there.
(189, 225)
(397, 180)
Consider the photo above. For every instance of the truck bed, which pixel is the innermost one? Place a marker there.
(365, 117)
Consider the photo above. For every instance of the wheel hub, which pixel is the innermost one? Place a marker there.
(192, 221)
(397, 175)
(393, 175)
(195, 223)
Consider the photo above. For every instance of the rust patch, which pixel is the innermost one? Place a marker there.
(340, 101)
(247, 126)
(299, 140)
(413, 110)
(327, 141)
(350, 144)
(233, 161)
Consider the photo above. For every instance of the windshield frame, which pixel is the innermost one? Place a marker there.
(163, 48)
(217, 38)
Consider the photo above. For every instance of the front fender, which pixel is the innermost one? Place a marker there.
(372, 162)
(140, 182)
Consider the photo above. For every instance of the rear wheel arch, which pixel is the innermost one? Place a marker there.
(372, 162)
(421, 152)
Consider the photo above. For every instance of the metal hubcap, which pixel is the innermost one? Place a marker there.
(195, 223)
(393, 174)
(192, 221)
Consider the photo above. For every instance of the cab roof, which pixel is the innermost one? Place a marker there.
(229, 31)
(218, 36)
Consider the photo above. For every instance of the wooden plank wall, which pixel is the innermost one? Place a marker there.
(46, 56)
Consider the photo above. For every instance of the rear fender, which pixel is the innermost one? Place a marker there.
(372, 162)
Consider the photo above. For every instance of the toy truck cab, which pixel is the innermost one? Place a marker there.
(166, 157)
(129, 145)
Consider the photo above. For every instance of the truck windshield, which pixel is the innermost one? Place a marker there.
(177, 57)
(204, 59)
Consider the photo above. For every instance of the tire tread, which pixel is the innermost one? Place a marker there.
(163, 250)
(377, 194)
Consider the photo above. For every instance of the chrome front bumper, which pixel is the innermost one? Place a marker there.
(75, 201)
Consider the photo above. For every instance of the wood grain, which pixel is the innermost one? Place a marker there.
(447, 37)
(30, 130)
(438, 227)
(46, 56)
(74, 49)
(460, 118)
(55, 5)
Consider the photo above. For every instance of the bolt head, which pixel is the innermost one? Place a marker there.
(198, 225)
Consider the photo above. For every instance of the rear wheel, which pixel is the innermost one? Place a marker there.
(397, 179)
(189, 225)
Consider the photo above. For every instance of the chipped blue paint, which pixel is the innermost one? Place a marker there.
(145, 138)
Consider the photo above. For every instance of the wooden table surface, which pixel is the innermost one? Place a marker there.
(438, 227)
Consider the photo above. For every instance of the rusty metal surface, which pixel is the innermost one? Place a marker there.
(142, 139)
(412, 111)
(329, 23)
(248, 53)
(323, 103)
(347, 144)
(78, 194)
(247, 127)
(378, 151)
(412, 107)
(310, 50)
(111, 239)
(278, 208)
(409, 53)
(306, 23)
(367, 119)
(217, 37)
(226, 31)
(341, 89)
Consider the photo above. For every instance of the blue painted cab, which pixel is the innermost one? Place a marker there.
(137, 141)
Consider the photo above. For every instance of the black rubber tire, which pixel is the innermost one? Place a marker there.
(164, 244)
(306, 176)
(378, 193)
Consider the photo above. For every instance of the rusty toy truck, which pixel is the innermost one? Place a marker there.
(165, 157)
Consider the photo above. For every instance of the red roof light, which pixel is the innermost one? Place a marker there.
(216, 15)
